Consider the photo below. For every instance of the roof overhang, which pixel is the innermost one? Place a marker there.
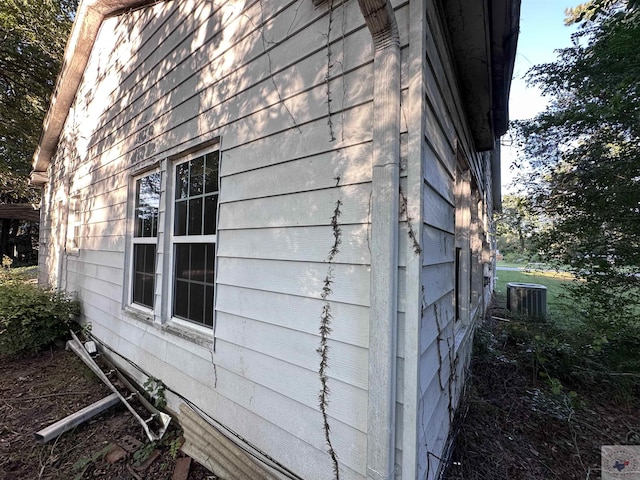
(483, 35)
(89, 17)
(20, 211)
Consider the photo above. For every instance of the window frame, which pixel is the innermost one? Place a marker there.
(172, 239)
(74, 224)
(143, 240)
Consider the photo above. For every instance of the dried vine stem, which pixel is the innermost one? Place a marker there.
(325, 331)
(332, 134)
(438, 340)
(337, 231)
(266, 42)
(412, 234)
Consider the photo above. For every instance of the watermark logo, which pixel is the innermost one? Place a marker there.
(620, 462)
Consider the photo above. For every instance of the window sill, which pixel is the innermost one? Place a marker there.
(462, 333)
(200, 335)
(139, 313)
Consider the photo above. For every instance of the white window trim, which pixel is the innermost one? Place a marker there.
(74, 225)
(141, 311)
(171, 240)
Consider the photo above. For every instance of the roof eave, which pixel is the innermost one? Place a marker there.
(483, 35)
(89, 17)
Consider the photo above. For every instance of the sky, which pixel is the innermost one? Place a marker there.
(542, 31)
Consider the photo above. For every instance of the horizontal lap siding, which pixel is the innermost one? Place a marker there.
(182, 73)
(445, 132)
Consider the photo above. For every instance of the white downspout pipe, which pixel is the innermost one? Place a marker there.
(380, 20)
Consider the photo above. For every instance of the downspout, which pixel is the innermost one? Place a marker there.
(383, 316)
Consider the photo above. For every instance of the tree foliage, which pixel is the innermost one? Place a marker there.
(584, 151)
(33, 34)
(517, 226)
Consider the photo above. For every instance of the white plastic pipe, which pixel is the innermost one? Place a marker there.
(56, 429)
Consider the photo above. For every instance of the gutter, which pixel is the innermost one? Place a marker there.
(383, 312)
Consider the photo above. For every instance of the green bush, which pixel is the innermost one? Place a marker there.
(32, 318)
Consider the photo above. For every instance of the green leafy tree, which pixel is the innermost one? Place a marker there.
(584, 150)
(33, 34)
(517, 226)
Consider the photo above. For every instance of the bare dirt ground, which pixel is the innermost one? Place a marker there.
(38, 390)
(515, 427)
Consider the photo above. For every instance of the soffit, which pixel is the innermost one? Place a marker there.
(483, 36)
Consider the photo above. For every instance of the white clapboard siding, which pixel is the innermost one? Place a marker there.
(105, 273)
(298, 209)
(353, 127)
(239, 59)
(350, 282)
(349, 362)
(438, 173)
(251, 80)
(347, 166)
(305, 244)
(439, 246)
(298, 383)
(437, 211)
(349, 324)
(438, 281)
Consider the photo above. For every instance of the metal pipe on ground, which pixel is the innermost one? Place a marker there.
(56, 429)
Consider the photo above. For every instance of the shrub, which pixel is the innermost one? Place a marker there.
(32, 318)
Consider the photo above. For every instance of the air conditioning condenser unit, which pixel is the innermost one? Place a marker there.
(529, 299)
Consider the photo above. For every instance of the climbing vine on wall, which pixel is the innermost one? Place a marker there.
(325, 331)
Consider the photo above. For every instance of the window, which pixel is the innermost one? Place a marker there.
(73, 222)
(145, 232)
(462, 245)
(194, 238)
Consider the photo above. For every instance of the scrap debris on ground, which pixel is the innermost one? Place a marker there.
(38, 390)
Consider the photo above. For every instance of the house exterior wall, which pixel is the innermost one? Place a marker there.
(456, 211)
(254, 79)
(254, 76)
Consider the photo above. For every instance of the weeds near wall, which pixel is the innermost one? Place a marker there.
(325, 331)
(32, 318)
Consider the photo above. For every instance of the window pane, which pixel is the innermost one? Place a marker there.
(180, 219)
(147, 291)
(181, 299)
(210, 265)
(210, 210)
(182, 261)
(211, 172)
(143, 274)
(195, 216)
(149, 259)
(197, 176)
(138, 287)
(147, 204)
(198, 261)
(182, 180)
(196, 302)
(138, 258)
(194, 282)
(208, 306)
